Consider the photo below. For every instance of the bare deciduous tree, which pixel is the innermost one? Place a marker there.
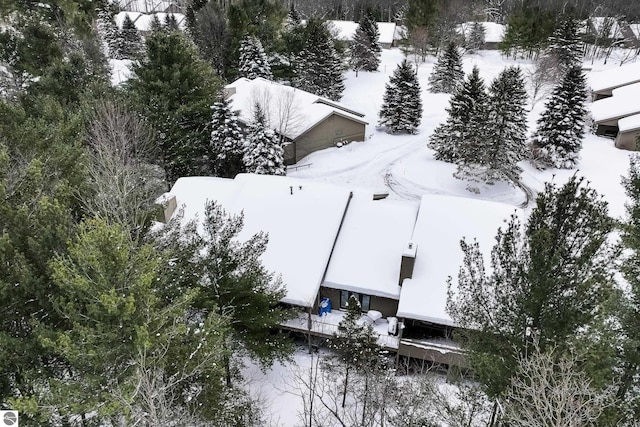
(551, 389)
(124, 182)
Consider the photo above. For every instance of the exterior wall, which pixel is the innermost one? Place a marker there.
(607, 130)
(601, 94)
(627, 140)
(432, 355)
(333, 129)
(387, 306)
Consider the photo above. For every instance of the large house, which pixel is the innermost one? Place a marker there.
(345, 31)
(306, 122)
(329, 243)
(493, 33)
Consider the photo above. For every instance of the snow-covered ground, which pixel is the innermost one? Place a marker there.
(403, 165)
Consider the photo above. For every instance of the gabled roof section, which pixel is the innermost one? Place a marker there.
(623, 104)
(442, 222)
(493, 32)
(290, 111)
(301, 218)
(368, 251)
(629, 123)
(615, 77)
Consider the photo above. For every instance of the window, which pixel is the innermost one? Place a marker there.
(365, 300)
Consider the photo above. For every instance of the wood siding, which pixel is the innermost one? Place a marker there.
(627, 140)
(327, 133)
(434, 355)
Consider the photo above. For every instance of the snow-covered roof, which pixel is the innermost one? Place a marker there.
(442, 222)
(636, 29)
(598, 23)
(629, 123)
(143, 21)
(369, 249)
(493, 32)
(615, 107)
(288, 110)
(627, 90)
(615, 77)
(302, 219)
(345, 30)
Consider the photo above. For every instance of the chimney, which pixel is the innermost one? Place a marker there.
(167, 205)
(408, 261)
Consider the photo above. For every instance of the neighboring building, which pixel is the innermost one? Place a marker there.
(629, 132)
(608, 112)
(345, 30)
(493, 33)
(143, 21)
(152, 6)
(306, 122)
(328, 242)
(604, 82)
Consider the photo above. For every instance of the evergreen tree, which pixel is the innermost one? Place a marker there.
(319, 68)
(122, 333)
(565, 46)
(131, 42)
(234, 281)
(227, 140)
(447, 73)
(546, 283)
(108, 30)
(505, 143)
(355, 345)
(155, 25)
(402, 107)
(174, 89)
(171, 23)
(464, 134)
(293, 19)
(629, 311)
(263, 152)
(365, 50)
(558, 139)
(475, 40)
(253, 60)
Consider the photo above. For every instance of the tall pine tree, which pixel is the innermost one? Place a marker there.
(227, 140)
(131, 42)
(365, 50)
(506, 140)
(475, 38)
(263, 152)
(565, 46)
(547, 282)
(253, 60)
(447, 73)
(402, 107)
(174, 89)
(463, 136)
(319, 68)
(558, 139)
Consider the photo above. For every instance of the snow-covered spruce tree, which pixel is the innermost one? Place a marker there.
(227, 140)
(565, 47)
(171, 23)
(109, 32)
(402, 107)
(463, 137)
(155, 25)
(263, 153)
(319, 68)
(506, 139)
(447, 73)
(475, 39)
(293, 19)
(253, 60)
(131, 42)
(558, 139)
(365, 50)
(355, 346)
(547, 281)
